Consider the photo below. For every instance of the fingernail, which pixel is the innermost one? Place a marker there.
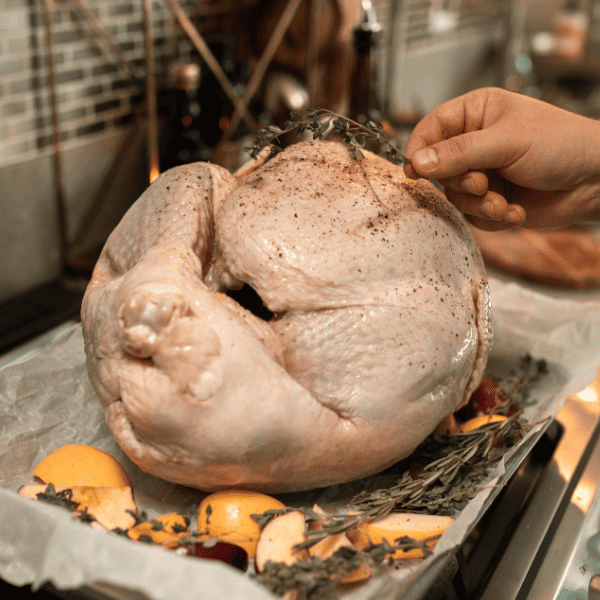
(490, 210)
(514, 217)
(425, 159)
(468, 185)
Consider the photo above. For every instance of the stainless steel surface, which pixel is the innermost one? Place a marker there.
(549, 540)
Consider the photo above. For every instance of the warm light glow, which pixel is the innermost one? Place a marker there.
(583, 495)
(588, 395)
(153, 174)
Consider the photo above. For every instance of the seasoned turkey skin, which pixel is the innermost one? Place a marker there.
(381, 321)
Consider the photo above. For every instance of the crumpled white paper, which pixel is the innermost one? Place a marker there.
(47, 401)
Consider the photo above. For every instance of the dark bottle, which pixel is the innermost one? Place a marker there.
(183, 141)
(364, 101)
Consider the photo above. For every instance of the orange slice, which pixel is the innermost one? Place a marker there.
(80, 465)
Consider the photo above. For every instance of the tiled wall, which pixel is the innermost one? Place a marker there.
(95, 93)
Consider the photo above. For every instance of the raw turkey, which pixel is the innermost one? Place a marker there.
(379, 321)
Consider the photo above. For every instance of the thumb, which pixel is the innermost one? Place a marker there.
(473, 151)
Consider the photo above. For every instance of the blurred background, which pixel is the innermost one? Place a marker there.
(98, 96)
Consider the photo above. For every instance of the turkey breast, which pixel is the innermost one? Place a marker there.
(380, 321)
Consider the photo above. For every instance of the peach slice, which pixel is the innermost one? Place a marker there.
(107, 505)
(397, 525)
(278, 538)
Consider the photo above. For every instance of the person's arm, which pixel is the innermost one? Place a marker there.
(505, 159)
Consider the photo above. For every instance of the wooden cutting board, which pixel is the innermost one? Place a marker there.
(566, 258)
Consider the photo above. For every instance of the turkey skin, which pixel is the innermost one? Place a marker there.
(380, 321)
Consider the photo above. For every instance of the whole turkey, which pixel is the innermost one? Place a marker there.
(380, 321)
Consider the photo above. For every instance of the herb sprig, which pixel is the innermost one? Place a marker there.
(317, 578)
(322, 122)
(443, 474)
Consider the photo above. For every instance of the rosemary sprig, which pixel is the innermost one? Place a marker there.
(444, 473)
(322, 122)
(449, 469)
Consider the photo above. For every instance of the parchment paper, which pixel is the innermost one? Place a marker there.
(46, 401)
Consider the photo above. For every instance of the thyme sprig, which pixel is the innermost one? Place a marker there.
(516, 386)
(63, 498)
(322, 122)
(317, 578)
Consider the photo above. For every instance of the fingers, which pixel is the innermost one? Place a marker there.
(487, 225)
(490, 211)
(473, 132)
(474, 151)
(473, 182)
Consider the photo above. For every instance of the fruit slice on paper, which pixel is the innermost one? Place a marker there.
(108, 505)
(278, 538)
(397, 525)
(81, 465)
(328, 547)
(477, 422)
(166, 530)
(226, 515)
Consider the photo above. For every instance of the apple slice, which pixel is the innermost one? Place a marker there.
(328, 546)
(397, 525)
(107, 505)
(278, 538)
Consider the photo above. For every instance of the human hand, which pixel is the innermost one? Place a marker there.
(505, 159)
